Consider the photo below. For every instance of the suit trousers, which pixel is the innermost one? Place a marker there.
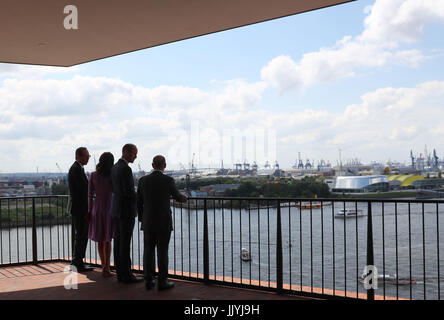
(151, 240)
(122, 246)
(81, 227)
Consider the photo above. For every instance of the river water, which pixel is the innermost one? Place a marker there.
(318, 249)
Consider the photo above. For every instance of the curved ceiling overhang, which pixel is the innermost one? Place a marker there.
(35, 31)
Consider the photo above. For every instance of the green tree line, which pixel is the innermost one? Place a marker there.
(308, 187)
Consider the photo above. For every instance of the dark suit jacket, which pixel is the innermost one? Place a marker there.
(124, 200)
(153, 201)
(78, 190)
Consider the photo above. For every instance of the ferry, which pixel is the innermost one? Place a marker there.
(349, 213)
(245, 255)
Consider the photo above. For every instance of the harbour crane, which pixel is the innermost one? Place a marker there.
(426, 157)
(246, 165)
(413, 159)
(435, 159)
(300, 163)
(193, 168)
(421, 162)
(276, 165)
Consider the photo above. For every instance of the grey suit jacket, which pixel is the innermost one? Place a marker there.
(154, 192)
(124, 199)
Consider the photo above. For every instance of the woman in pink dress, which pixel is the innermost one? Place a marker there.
(99, 209)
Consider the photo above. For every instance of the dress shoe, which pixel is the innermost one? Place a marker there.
(82, 267)
(150, 284)
(165, 285)
(87, 267)
(132, 279)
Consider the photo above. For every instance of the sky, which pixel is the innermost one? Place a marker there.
(364, 77)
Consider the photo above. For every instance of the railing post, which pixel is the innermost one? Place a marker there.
(279, 267)
(73, 237)
(34, 233)
(370, 256)
(206, 255)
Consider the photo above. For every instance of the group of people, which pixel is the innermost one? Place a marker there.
(104, 207)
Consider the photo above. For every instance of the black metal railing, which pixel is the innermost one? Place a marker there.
(34, 229)
(301, 246)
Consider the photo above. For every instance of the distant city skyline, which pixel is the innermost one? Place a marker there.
(145, 164)
(364, 77)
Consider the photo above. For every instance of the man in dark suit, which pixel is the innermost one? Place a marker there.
(78, 191)
(124, 213)
(153, 207)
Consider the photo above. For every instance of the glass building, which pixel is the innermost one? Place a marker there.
(361, 184)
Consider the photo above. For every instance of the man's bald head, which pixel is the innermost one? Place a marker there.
(159, 162)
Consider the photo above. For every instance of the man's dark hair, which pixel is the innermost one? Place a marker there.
(158, 162)
(80, 151)
(129, 147)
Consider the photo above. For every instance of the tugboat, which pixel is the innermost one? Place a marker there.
(245, 255)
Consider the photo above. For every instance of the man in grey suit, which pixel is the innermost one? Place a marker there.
(153, 206)
(124, 213)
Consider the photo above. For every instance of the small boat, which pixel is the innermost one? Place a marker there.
(309, 205)
(349, 213)
(245, 255)
(391, 279)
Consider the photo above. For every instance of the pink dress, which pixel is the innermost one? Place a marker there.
(101, 225)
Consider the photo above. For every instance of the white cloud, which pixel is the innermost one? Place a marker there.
(400, 20)
(75, 96)
(10, 70)
(389, 24)
(104, 113)
(107, 113)
(391, 121)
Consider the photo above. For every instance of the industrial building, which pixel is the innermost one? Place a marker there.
(404, 181)
(412, 181)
